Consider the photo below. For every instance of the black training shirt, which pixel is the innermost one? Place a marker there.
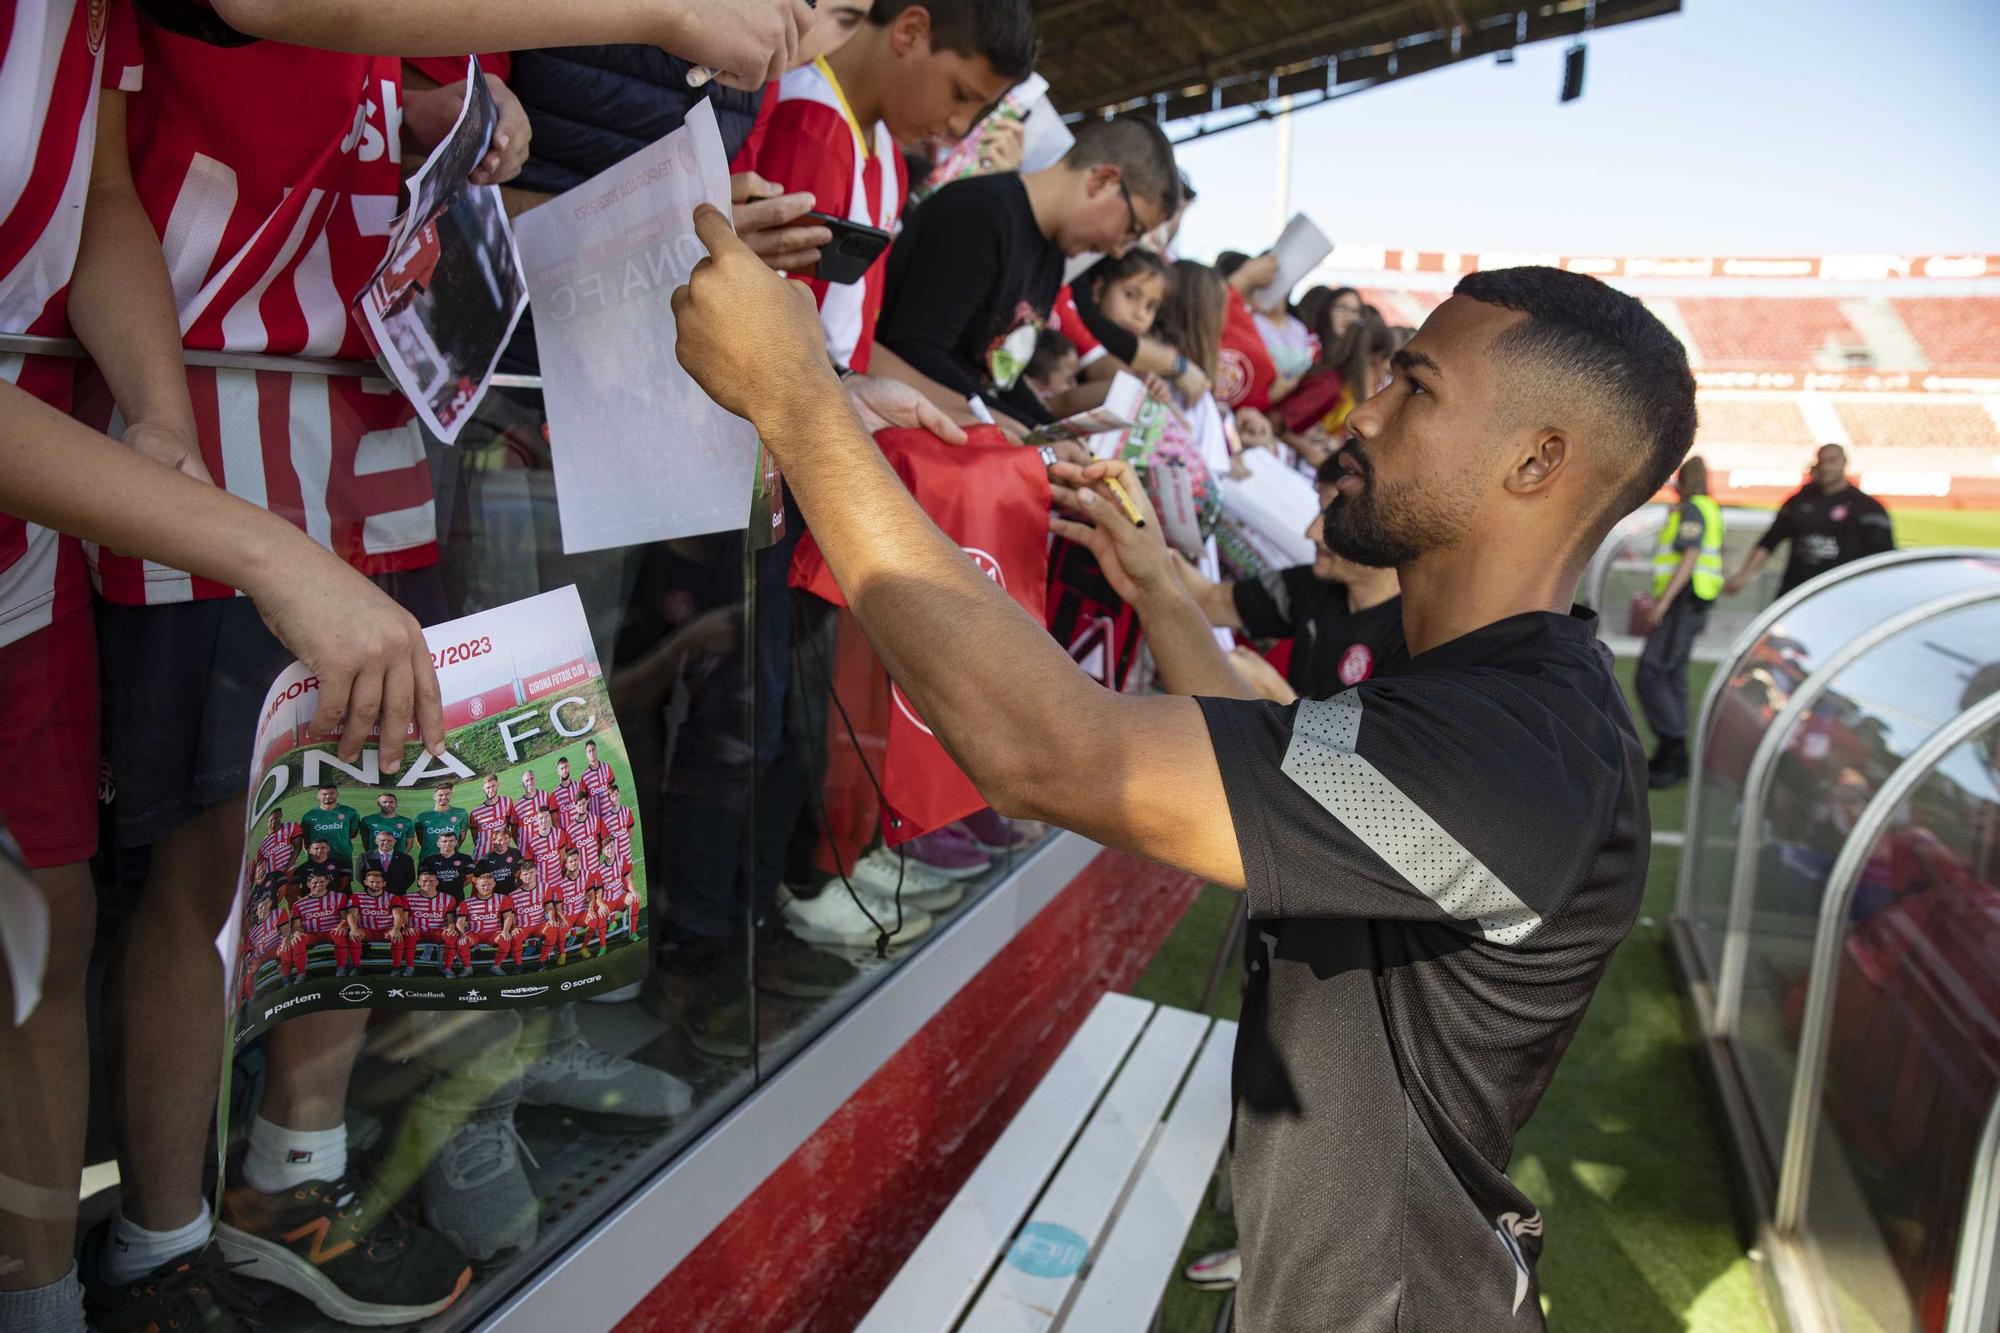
(1439, 863)
(1332, 647)
(970, 263)
(1826, 531)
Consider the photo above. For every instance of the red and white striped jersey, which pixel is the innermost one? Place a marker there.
(546, 851)
(618, 822)
(489, 819)
(271, 173)
(260, 940)
(377, 909)
(576, 891)
(429, 911)
(596, 778)
(813, 142)
(484, 913)
(530, 801)
(279, 849)
(318, 913)
(55, 56)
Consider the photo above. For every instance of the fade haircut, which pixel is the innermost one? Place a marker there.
(1583, 339)
(1003, 31)
(1141, 152)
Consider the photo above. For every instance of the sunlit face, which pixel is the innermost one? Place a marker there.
(1132, 303)
(833, 22)
(1422, 451)
(1829, 471)
(934, 92)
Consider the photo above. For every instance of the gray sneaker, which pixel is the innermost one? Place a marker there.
(577, 1076)
(476, 1194)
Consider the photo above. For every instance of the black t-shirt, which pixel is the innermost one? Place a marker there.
(500, 865)
(1439, 863)
(1827, 531)
(453, 872)
(1332, 647)
(969, 264)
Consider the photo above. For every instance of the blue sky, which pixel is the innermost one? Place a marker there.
(1735, 127)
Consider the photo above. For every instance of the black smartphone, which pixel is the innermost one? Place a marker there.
(853, 248)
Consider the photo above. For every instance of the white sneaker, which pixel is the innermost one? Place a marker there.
(1219, 1271)
(876, 874)
(834, 918)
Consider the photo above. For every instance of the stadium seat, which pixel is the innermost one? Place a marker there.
(1904, 425)
(1768, 332)
(1960, 335)
(1775, 419)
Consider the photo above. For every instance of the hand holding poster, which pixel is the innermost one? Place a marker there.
(449, 292)
(1299, 250)
(641, 453)
(505, 871)
(1044, 137)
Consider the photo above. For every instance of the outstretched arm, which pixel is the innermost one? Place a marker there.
(1035, 735)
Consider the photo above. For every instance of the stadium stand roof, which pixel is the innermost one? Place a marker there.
(1175, 59)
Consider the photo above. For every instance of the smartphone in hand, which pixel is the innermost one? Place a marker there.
(855, 245)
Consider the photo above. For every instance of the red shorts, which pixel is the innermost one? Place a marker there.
(49, 715)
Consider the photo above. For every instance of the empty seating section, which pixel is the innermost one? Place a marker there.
(1916, 425)
(1403, 307)
(1766, 332)
(1775, 419)
(1960, 335)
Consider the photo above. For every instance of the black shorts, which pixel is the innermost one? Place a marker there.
(182, 687)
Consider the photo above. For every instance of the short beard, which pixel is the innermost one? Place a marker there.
(1386, 528)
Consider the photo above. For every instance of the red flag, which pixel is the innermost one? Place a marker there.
(992, 498)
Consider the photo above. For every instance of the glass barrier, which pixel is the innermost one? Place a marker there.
(1830, 761)
(1622, 569)
(752, 720)
(1913, 1053)
(1756, 687)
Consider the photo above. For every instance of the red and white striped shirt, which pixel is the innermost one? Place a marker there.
(55, 56)
(596, 779)
(489, 819)
(271, 173)
(484, 913)
(575, 891)
(546, 851)
(261, 939)
(430, 911)
(617, 823)
(280, 848)
(319, 912)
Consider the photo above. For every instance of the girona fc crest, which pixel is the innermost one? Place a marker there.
(478, 708)
(1232, 376)
(95, 11)
(1356, 664)
(1839, 514)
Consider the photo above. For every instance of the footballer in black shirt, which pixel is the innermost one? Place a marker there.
(1439, 861)
(1829, 521)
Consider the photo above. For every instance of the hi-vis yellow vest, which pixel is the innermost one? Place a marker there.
(1706, 582)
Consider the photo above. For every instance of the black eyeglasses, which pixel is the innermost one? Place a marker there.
(1138, 232)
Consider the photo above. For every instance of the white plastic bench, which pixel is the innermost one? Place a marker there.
(1076, 1217)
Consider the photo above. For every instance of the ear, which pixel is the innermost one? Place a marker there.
(1104, 176)
(910, 31)
(1537, 469)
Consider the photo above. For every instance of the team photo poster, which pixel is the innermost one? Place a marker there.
(505, 872)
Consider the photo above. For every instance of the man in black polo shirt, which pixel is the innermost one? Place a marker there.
(984, 257)
(1829, 521)
(1439, 861)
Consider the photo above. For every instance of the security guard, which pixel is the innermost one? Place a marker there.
(1687, 578)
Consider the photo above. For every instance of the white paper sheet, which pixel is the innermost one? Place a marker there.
(1299, 251)
(641, 453)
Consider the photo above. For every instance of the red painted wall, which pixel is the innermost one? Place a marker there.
(817, 1242)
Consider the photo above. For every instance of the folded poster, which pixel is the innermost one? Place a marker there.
(449, 292)
(507, 871)
(1299, 250)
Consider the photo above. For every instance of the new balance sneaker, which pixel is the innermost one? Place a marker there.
(1215, 1272)
(876, 875)
(476, 1192)
(993, 831)
(787, 966)
(835, 918)
(349, 1253)
(949, 853)
(577, 1076)
(198, 1291)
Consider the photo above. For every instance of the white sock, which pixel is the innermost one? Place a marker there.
(56, 1308)
(134, 1251)
(280, 1158)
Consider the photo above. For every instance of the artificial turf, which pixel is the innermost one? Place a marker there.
(1625, 1156)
